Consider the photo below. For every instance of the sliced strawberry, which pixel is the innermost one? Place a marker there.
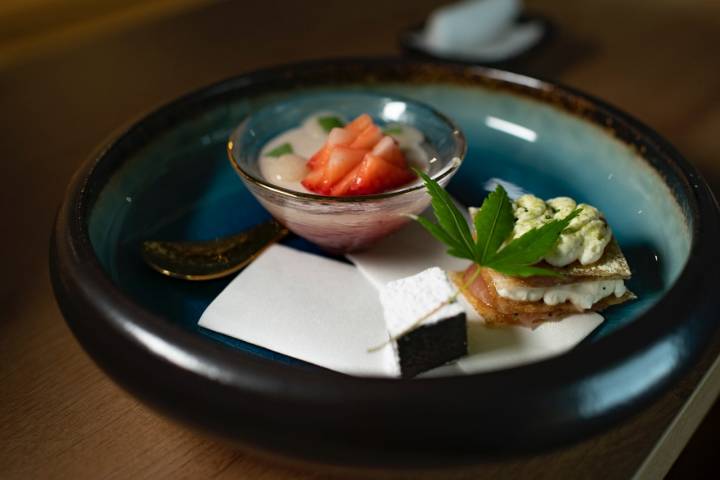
(319, 158)
(376, 175)
(337, 136)
(313, 180)
(357, 160)
(388, 149)
(368, 138)
(342, 187)
(341, 161)
(341, 136)
(359, 124)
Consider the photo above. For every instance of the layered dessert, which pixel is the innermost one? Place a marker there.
(587, 268)
(532, 260)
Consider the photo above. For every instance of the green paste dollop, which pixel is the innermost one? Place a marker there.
(585, 238)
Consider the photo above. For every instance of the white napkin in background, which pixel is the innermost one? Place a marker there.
(483, 30)
(470, 22)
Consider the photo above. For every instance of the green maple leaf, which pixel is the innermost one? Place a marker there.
(494, 223)
(330, 122)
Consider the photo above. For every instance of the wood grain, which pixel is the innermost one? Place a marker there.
(31, 28)
(61, 417)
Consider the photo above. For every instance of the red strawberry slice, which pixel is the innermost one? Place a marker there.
(342, 187)
(337, 136)
(341, 136)
(359, 124)
(313, 180)
(388, 149)
(339, 164)
(376, 175)
(357, 160)
(319, 158)
(368, 138)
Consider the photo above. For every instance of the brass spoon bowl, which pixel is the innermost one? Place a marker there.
(211, 259)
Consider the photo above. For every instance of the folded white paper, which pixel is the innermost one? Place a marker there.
(324, 312)
(494, 348)
(407, 252)
(312, 308)
(412, 250)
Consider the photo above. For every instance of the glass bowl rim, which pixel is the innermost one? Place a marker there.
(458, 155)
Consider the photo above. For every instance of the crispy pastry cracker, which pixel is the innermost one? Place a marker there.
(611, 266)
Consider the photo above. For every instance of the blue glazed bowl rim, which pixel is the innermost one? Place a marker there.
(448, 169)
(523, 409)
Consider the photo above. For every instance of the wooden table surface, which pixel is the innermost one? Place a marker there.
(61, 417)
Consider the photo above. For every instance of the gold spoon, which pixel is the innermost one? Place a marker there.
(207, 260)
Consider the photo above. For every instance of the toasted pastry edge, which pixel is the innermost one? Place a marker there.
(492, 318)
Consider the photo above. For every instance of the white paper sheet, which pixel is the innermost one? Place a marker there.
(412, 250)
(308, 307)
(326, 312)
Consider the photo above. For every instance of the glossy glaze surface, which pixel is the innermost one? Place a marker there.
(140, 327)
(180, 186)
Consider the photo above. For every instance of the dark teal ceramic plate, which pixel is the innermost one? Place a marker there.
(168, 177)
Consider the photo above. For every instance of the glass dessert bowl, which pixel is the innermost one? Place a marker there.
(341, 224)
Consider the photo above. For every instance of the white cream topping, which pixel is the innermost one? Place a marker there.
(585, 238)
(581, 294)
